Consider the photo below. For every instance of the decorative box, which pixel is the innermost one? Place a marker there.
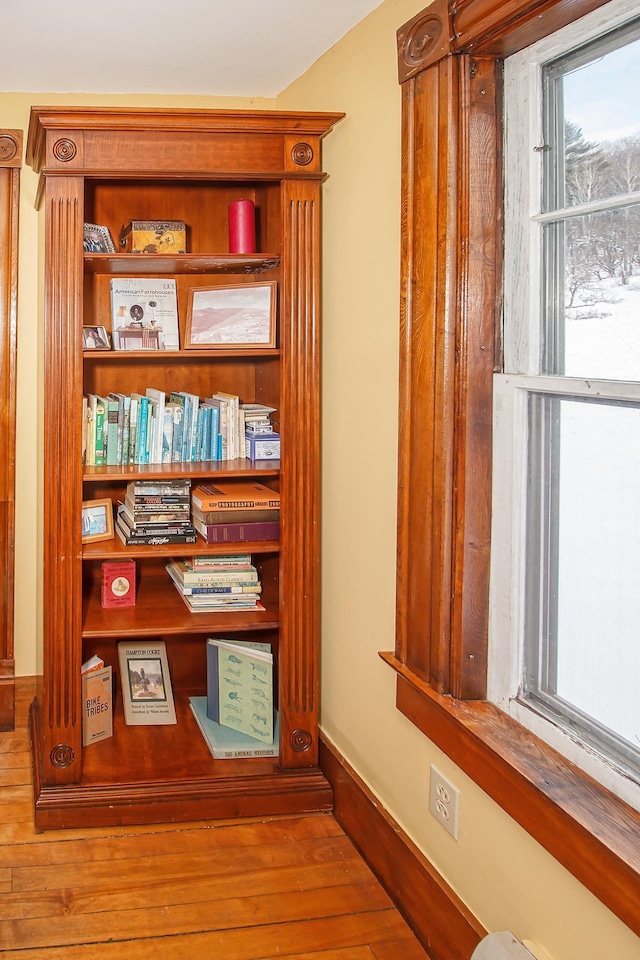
(154, 236)
(264, 446)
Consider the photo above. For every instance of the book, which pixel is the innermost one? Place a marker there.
(144, 313)
(237, 532)
(251, 589)
(158, 399)
(154, 539)
(235, 516)
(118, 587)
(227, 744)
(97, 702)
(262, 446)
(214, 560)
(146, 683)
(234, 495)
(229, 605)
(186, 575)
(240, 687)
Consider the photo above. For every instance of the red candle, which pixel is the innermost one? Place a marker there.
(242, 227)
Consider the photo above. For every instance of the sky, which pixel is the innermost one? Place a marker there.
(604, 96)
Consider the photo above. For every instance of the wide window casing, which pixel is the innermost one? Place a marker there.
(451, 59)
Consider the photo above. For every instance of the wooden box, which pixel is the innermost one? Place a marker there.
(154, 236)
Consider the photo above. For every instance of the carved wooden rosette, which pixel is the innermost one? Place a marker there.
(61, 715)
(299, 342)
(10, 163)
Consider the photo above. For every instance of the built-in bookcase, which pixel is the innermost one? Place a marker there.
(109, 167)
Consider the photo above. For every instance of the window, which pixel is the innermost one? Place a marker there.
(565, 611)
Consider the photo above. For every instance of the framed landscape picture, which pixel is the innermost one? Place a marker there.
(238, 316)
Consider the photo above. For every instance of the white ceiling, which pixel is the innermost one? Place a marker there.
(247, 48)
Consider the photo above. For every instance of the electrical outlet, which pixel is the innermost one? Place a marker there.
(444, 801)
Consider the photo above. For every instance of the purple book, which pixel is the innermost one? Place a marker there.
(238, 532)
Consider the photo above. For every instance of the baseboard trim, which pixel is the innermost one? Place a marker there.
(437, 916)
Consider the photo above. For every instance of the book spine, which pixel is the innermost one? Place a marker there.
(133, 430)
(155, 540)
(99, 432)
(111, 446)
(143, 429)
(178, 431)
(238, 532)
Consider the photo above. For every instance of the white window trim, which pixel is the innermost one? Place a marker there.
(523, 225)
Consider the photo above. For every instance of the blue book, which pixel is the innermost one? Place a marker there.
(227, 744)
(143, 428)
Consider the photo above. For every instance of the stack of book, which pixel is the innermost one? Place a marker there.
(156, 512)
(217, 584)
(235, 511)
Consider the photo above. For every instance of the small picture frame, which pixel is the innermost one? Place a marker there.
(95, 338)
(97, 239)
(232, 316)
(97, 520)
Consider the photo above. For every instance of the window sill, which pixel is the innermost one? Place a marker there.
(589, 831)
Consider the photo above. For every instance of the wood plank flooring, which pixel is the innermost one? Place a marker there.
(287, 887)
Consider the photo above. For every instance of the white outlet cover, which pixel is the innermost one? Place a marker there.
(444, 801)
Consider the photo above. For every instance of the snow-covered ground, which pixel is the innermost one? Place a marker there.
(599, 557)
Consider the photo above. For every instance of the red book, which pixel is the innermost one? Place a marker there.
(238, 532)
(118, 583)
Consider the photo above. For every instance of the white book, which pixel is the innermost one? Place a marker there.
(157, 399)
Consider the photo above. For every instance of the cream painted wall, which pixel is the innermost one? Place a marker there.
(506, 878)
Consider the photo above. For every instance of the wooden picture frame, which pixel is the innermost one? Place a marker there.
(232, 316)
(97, 520)
(95, 338)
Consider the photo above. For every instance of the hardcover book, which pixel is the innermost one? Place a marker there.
(237, 532)
(234, 495)
(146, 683)
(97, 704)
(227, 744)
(240, 687)
(118, 583)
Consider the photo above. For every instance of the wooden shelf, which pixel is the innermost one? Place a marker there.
(219, 353)
(116, 550)
(160, 610)
(140, 264)
(200, 469)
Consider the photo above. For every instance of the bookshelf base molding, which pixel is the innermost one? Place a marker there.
(261, 789)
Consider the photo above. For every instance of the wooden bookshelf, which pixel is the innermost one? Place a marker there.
(107, 167)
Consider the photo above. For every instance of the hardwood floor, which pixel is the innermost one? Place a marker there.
(292, 888)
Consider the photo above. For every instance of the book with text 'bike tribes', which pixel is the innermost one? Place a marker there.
(97, 702)
(146, 683)
(227, 744)
(240, 687)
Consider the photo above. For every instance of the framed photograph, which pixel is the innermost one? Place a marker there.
(97, 239)
(95, 338)
(97, 520)
(232, 316)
